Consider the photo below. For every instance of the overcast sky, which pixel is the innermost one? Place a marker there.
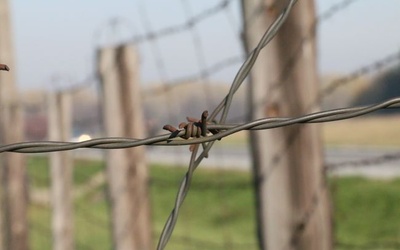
(60, 37)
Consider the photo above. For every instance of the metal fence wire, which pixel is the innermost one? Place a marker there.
(201, 134)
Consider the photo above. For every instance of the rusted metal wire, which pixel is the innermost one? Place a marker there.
(224, 107)
(204, 131)
(171, 139)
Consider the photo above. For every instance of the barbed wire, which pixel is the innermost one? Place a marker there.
(151, 36)
(193, 21)
(224, 107)
(362, 71)
(193, 78)
(172, 139)
(190, 79)
(282, 79)
(200, 56)
(284, 74)
(364, 163)
(315, 199)
(222, 128)
(290, 63)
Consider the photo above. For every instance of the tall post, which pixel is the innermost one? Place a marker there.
(293, 203)
(14, 226)
(61, 167)
(126, 168)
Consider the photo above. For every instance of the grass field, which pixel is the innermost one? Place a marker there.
(219, 210)
(381, 131)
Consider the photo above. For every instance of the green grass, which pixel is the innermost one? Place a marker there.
(219, 208)
(367, 212)
(373, 131)
(218, 212)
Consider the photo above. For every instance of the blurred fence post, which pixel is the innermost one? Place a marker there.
(293, 205)
(126, 168)
(61, 167)
(14, 197)
(15, 192)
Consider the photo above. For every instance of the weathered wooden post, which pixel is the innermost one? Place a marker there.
(13, 207)
(61, 167)
(293, 207)
(126, 168)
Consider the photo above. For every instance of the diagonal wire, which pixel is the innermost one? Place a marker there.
(364, 70)
(268, 123)
(200, 55)
(290, 64)
(241, 75)
(292, 60)
(192, 78)
(183, 190)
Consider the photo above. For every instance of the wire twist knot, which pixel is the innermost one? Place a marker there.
(194, 127)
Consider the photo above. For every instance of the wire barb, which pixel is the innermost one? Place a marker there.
(195, 128)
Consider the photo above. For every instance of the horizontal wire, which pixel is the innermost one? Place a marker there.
(172, 140)
(227, 129)
(193, 78)
(364, 163)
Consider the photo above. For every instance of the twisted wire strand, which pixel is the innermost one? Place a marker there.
(173, 140)
(225, 105)
(364, 70)
(167, 139)
(193, 78)
(290, 63)
(377, 65)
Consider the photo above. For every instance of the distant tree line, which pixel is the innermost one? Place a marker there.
(384, 87)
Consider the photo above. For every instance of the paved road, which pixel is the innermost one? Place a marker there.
(239, 158)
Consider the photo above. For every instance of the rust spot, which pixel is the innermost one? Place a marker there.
(272, 110)
(4, 67)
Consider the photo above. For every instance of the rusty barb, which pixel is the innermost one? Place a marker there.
(194, 128)
(4, 67)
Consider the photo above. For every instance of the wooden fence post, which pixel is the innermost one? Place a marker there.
(14, 181)
(61, 167)
(126, 168)
(13, 208)
(293, 203)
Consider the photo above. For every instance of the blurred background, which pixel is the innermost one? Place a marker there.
(186, 55)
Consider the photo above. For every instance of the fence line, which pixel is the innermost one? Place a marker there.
(200, 55)
(365, 163)
(363, 70)
(151, 36)
(170, 139)
(228, 129)
(190, 25)
(377, 65)
(192, 78)
(291, 62)
(193, 21)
